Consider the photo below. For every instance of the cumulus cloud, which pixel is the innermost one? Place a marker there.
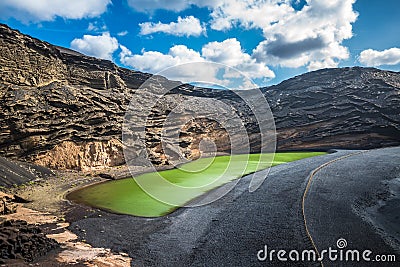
(225, 13)
(179, 55)
(311, 36)
(374, 58)
(228, 52)
(47, 10)
(282, 48)
(183, 27)
(101, 46)
(248, 13)
(154, 62)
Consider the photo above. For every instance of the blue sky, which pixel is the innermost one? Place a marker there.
(266, 40)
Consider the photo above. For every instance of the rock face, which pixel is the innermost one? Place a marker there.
(343, 108)
(22, 241)
(86, 156)
(58, 107)
(62, 109)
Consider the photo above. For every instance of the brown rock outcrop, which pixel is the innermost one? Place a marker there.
(84, 156)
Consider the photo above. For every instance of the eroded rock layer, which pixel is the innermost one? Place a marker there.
(62, 109)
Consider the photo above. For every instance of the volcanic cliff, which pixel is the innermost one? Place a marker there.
(62, 109)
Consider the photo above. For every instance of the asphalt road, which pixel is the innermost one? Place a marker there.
(343, 200)
(357, 199)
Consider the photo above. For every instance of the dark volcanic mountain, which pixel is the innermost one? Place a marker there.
(344, 108)
(62, 109)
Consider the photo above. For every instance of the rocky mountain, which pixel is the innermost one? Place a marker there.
(344, 108)
(62, 109)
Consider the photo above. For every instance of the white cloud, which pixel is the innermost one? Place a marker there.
(183, 27)
(123, 33)
(101, 46)
(47, 10)
(375, 58)
(228, 52)
(248, 13)
(154, 62)
(175, 64)
(310, 37)
(95, 27)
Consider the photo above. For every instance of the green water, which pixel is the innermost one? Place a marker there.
(177, 186)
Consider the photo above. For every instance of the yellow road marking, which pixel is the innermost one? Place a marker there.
(308, 188)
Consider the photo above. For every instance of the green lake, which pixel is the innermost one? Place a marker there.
(176, 186)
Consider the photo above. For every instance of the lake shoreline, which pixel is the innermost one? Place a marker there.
(149, 194)
(48, 199)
